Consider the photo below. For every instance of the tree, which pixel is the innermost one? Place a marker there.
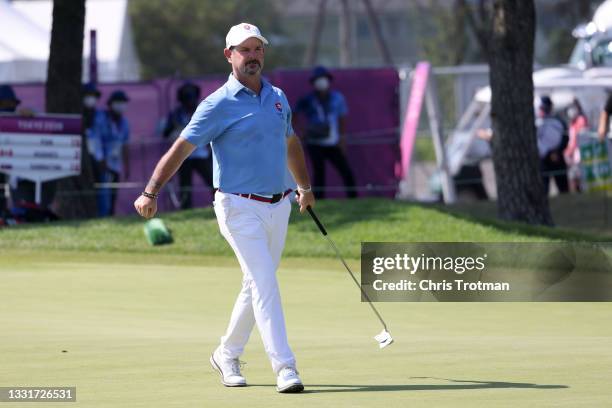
(63, 95)
(442, 41)
(443, 38)
(505, 30)
(188, 36)
(557, 20)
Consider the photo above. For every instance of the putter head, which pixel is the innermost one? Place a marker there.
(383, 338)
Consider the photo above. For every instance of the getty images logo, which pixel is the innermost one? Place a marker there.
(413, 264)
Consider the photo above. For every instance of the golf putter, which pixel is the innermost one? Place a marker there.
(384, 337)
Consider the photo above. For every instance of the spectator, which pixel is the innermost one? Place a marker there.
(113, 131)
(552, 140)
(22, 190)
(469, 181)
(8, 99)
(8, 104)
(91, 96)
(578, 122)
(200, 161)
(325, 111)
(605, 128)
(92, 117)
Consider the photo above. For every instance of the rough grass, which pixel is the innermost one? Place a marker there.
(348, 222)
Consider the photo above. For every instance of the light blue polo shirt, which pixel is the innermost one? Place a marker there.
(248, 135)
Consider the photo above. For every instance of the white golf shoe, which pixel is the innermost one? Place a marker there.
(228, 369)
(288, 381)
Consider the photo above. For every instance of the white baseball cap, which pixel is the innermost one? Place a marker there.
(240, 32)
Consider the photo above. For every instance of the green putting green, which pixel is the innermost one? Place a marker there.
(136, 330)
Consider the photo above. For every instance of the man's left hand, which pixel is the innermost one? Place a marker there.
(305, 200)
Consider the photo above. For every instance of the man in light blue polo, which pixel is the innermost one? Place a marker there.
(248, 124)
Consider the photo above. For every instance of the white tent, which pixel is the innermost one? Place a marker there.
(25, 38)
(20, 58)
(603, 16)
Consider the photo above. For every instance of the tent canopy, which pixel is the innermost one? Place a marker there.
(26, 33)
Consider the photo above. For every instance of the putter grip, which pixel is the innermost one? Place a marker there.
(316, 220)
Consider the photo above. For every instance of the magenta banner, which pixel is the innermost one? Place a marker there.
(57, 124)
(411, 119)
(372, 128)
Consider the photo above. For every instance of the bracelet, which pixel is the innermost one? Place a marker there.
(149, 195)
(305, 190)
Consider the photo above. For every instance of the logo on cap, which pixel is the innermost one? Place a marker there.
(247, 27)
(279, 107)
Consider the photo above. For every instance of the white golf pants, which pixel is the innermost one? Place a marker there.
(256, 232)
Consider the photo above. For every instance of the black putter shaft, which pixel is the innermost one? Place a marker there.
(324, 232)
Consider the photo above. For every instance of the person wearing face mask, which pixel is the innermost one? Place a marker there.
(552, 140)
(325, 111)
(91, 96)
(578, 122)
(200, 161)
(92, 118)
(113, 130)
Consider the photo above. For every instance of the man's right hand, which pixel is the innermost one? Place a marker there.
(145, 206)
(305, 200)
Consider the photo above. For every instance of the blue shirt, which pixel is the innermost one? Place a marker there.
(329, 112)
(112, 136)
(248, 135)
(94, 135)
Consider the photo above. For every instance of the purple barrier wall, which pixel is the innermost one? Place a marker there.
(372, 122)
(372, 125)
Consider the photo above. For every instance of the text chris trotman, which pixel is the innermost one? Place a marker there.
(486, 271)
(422, 263)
